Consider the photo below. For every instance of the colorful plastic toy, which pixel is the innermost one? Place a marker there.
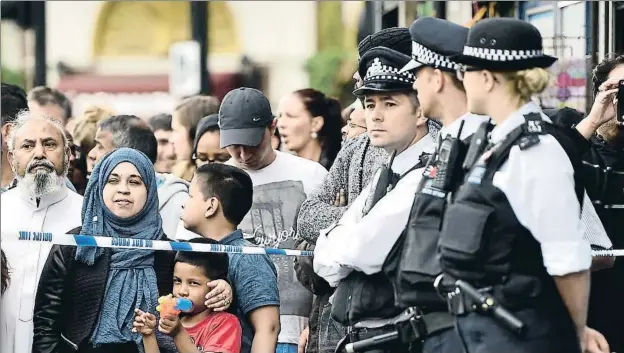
(169, 305)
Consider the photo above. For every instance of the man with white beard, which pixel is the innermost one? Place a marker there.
(38, 152)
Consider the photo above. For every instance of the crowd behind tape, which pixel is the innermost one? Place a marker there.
(130, 243)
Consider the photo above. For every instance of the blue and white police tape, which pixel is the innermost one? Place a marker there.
(608, 253)
(130, 243)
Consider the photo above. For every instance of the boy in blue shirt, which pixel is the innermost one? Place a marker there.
(220, 197)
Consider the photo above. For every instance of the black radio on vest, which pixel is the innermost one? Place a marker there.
(386, 181)
(449, 153)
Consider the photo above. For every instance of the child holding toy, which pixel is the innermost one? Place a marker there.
(200, 329)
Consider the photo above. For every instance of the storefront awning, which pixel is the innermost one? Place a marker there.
(94, 83)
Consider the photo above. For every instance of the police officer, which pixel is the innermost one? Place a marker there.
(513, 239)
(413, 267)
(350, 255)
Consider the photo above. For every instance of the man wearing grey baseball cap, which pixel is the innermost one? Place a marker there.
(244, 117)
(281, 182)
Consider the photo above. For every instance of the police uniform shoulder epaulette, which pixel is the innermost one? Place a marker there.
(528, 141)
(532, 128)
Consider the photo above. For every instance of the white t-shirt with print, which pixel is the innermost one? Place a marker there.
(279, 190)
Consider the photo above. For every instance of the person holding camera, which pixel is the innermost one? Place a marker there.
(603, 176)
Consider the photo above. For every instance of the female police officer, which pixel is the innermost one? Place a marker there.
(514, 231)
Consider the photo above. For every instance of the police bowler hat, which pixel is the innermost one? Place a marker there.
(504, 44)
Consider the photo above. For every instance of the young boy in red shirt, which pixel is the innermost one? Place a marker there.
(200, 330)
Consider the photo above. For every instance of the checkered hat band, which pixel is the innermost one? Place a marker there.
(501, 54)
(424, 55)
(377, 71)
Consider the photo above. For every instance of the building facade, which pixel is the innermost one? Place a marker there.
(116, 52)
(580, 34)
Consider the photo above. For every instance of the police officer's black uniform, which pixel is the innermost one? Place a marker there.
(365, 303)
(483, 244)
(413, 266)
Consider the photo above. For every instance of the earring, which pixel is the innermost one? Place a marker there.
(314, 135)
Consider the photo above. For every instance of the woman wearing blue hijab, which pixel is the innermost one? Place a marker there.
(87, 296)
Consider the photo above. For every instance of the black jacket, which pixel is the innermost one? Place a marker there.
(69, 298)
(603, 174)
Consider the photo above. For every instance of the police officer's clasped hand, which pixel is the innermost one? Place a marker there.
(341, 199)
(593, 341)
(605, 104)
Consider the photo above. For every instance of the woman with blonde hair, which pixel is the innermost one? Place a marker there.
(185, 118)
(86, 127)
(514, 230)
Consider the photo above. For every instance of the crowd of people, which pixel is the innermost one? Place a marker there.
(447, 211)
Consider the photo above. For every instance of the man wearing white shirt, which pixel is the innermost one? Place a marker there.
(38, 152)
(350, 255)
(281, 182)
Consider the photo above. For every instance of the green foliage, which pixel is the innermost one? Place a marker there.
(11, 76)
(324, 71)
(330, 26)
(331, 68)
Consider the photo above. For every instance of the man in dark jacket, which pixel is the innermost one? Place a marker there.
(603, 175)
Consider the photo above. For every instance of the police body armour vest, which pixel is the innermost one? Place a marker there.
(412, 266)
(483, 242)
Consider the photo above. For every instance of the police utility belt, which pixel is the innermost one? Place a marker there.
(410, 327)
(463, 299)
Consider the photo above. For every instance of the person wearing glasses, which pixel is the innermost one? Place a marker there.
(356, 122)
(206, 147)
(514, 230)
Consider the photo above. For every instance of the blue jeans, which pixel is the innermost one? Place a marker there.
(286, 348)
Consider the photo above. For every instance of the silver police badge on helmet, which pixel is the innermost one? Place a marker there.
(376, 69)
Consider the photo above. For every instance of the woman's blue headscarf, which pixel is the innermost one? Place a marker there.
(131, 278)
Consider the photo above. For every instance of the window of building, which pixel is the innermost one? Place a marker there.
(572, 37)
(619, 27)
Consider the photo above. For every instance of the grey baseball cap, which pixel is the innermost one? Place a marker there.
(244, 115)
